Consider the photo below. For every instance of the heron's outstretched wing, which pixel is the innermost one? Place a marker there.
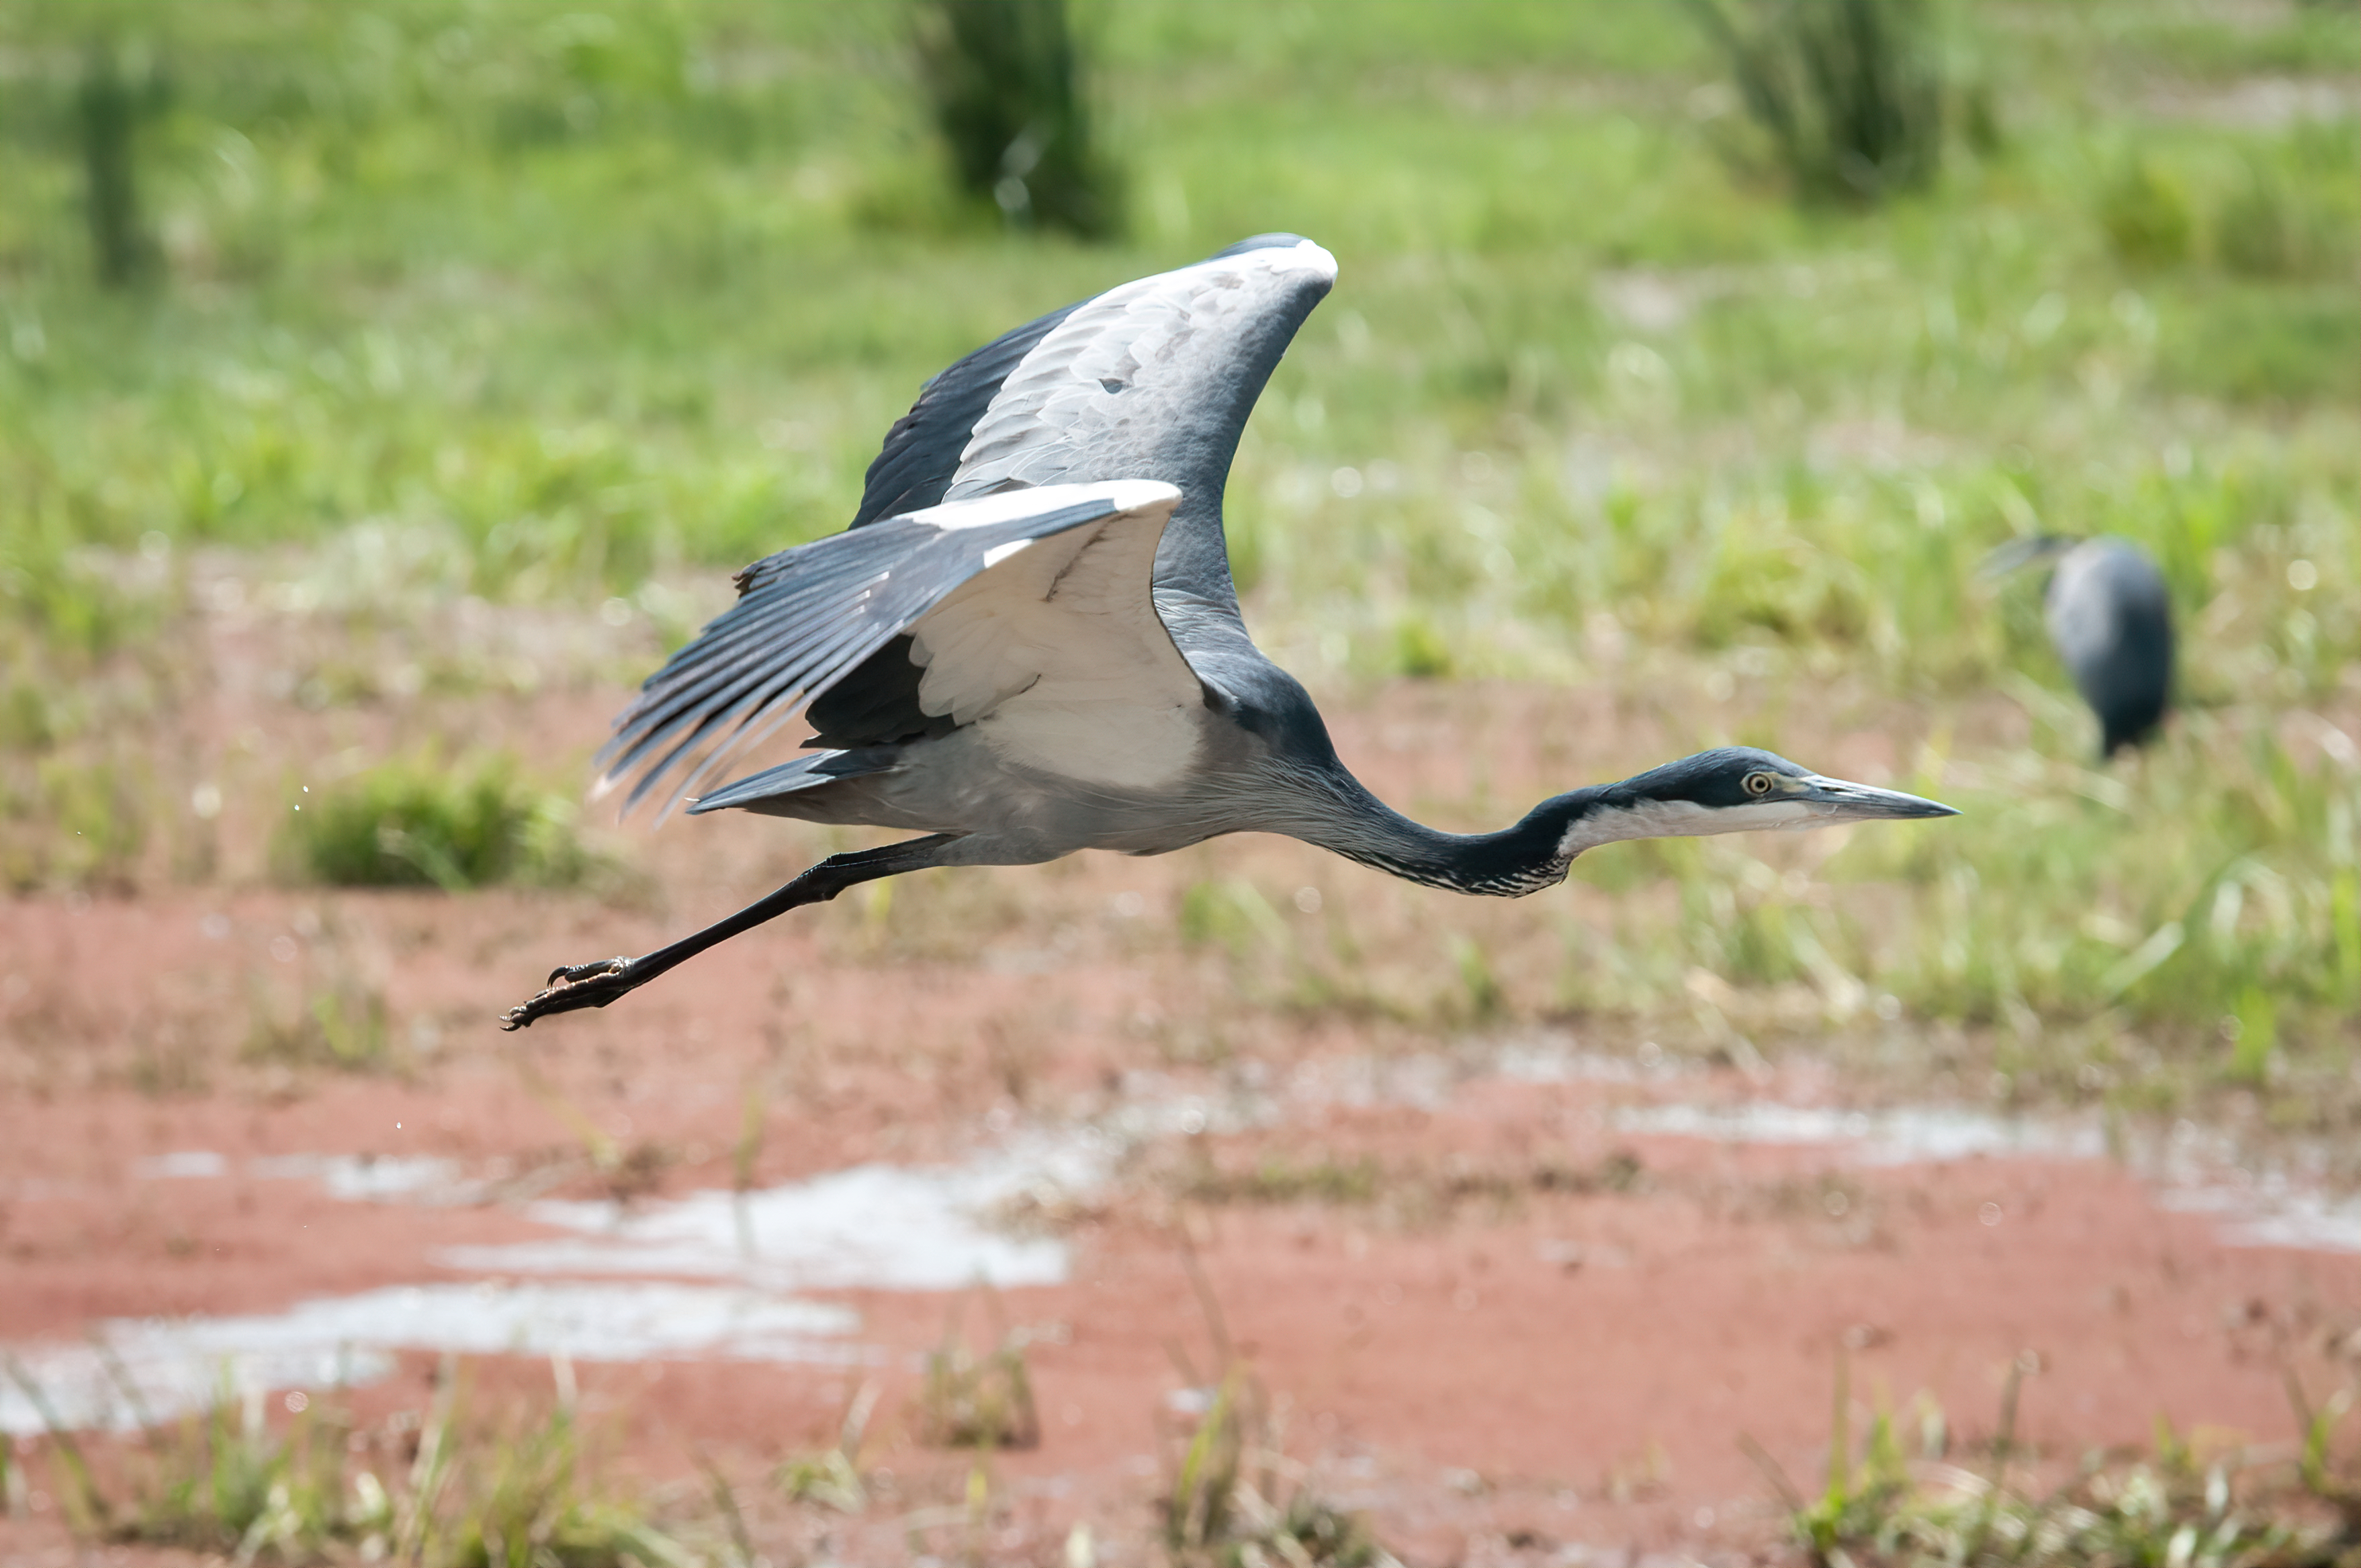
(806, 615)
(922, 451)
(1054, 657)
(1154, 378)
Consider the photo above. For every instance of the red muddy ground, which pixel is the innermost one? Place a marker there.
(1537, 1332)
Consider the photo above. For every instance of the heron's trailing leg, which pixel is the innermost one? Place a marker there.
(596, 984)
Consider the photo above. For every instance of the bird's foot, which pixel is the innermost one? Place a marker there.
(571, 989)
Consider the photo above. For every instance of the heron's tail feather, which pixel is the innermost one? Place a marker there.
(803, 773)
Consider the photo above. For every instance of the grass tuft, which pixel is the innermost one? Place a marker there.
(1232, 1496)
(322, 1489)
(417, 823)
(1847, 93)
(2173, 1505)
(831, 1477)
(118, 96)
(2148, 216)
(984, 1402)
(344, 1028)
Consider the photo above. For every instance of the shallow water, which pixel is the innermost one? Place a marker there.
(412, 1178)
(164, 1368)
(2194, 1173)
(1917, 1134)
(2271, 1213)
(874, 1226)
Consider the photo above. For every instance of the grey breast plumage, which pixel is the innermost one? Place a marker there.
(2110, 617)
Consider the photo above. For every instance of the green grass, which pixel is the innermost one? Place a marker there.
(1232, 1496)
(423, 822)
(588, 301)
(321, 1488)
(981, 1402)
(1886, 1504)
(2057, 913)
(343, 1027)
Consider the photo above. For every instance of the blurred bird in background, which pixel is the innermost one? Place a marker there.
(2110, 617)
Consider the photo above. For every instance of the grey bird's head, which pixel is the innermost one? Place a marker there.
(1733, 789)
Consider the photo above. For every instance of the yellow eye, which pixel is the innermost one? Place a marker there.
(1758, 783)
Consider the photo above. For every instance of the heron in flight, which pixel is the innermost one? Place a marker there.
(1028, 643)
(2110, 617)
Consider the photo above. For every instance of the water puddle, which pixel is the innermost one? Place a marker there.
(1913, 1136)
(2192, 1172)
(414, 1178)
(375, 1178)
(181, 1165)
(872, 1227)
(721, 1275)
(155, 1370)
(2273, 1213)
(880, 1227)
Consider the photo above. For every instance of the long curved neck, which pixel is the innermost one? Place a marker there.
(1344, 816)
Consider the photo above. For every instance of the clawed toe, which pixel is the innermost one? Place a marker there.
(572, 988)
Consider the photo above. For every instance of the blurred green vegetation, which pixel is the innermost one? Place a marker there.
(419, 822)
(2190, 1499)
(1849, 96)
(327, 1488)
(591, 298)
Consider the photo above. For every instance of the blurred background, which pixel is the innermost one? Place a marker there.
(383, 390)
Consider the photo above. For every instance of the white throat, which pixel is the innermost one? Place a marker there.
(1679, 820)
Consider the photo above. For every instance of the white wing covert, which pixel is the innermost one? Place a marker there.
(1059, 657)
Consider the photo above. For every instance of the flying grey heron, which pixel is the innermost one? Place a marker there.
(2110, 617)
(1028, 643)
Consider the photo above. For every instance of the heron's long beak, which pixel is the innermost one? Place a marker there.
(1836, 800)
(2020, 552)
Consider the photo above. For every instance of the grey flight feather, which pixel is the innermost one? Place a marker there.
(1155, 379)
(805, 617)
(922, 451)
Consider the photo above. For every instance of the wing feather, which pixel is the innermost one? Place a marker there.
(922, 450)
(1061, 661)
(808, 615)
(1153, 378)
